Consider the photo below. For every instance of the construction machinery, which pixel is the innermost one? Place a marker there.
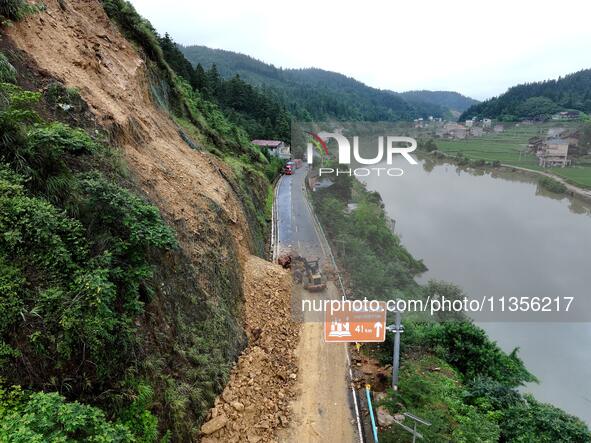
(308, 273)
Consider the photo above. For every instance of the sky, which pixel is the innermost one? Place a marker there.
(476, 48)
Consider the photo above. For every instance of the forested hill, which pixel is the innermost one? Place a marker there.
(451, 100)
(314, 93)
(539, 99)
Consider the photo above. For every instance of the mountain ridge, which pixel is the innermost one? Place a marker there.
(333, 91)
(538, 100)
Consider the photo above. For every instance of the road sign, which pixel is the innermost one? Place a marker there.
(350, 325)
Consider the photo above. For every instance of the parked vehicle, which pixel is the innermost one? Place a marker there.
(288, 170)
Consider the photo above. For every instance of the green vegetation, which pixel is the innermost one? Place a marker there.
(446, 99)
(314, 94)
(41, 417)
(452, 374)
(552, 185)
(16, 9)
(510, 148)
(438, 396)
(256, 111)
(538, 100)
(7, 71)
(105, 322)
(75, 271)
(371, 253)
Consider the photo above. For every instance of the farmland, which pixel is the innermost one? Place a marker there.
(510, 148)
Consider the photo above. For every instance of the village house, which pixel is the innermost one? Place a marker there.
(534, 144)
(276, 148)
(554, 132)
(553, 152)
(498, 128)
(469, 123)
(566, 115)
(476, 131)
(486, 123)
(452, 130)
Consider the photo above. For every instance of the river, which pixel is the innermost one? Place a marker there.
(499, 234)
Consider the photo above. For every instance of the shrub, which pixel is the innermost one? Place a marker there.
(73, 287)
(136, 28)
(17, 9)
(43, 417)
(552, 185)
(12, 9)
(531, 420)
(467, 348)
(436, 396)
(7, 71)
(490, 395)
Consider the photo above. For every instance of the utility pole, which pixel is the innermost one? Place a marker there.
(397, 330)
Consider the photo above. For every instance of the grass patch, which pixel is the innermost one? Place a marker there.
(552, 185)
(510, 148)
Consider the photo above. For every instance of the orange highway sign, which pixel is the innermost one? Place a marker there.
(349, 325)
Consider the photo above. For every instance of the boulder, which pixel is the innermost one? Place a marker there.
(384, 417)
(215, 424)
(238, 406)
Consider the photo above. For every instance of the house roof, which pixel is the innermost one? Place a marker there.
(556, 141)
(267, 143)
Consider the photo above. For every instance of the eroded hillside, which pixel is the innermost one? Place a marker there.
(191, 330)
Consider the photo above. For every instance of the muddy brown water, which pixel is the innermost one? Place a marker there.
(498, 234)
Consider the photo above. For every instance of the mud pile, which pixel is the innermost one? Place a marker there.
(256, 402)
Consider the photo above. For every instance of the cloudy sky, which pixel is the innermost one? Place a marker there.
(476, 48)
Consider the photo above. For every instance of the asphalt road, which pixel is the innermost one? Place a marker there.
(322, 412)
(295, 225)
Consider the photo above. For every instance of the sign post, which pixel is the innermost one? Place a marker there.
(347, 324)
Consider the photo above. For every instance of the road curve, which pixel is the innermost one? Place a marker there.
(322, 411)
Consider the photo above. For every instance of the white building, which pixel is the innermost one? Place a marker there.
(276, 148)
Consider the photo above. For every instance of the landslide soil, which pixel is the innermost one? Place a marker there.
(82, 48)
(256, 402)
(79, 45)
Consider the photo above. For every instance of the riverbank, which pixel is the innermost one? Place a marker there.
(441, 363)
(572, 189)
(510, 148)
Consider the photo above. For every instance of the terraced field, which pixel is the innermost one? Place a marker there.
(510, 147)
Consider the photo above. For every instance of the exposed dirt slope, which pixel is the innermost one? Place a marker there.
(78, 45)
(82, 48)
(256, 401)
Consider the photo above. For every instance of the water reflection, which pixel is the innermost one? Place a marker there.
(498, 233)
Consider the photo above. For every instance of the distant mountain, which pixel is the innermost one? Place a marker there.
(453, 101)
(315, 93)
(538, 100)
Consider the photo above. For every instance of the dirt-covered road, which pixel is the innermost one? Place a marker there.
(322, 411)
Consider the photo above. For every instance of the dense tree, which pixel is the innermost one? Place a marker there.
(315, 94)
(538, 99)
(255, 109)
(176, 60)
